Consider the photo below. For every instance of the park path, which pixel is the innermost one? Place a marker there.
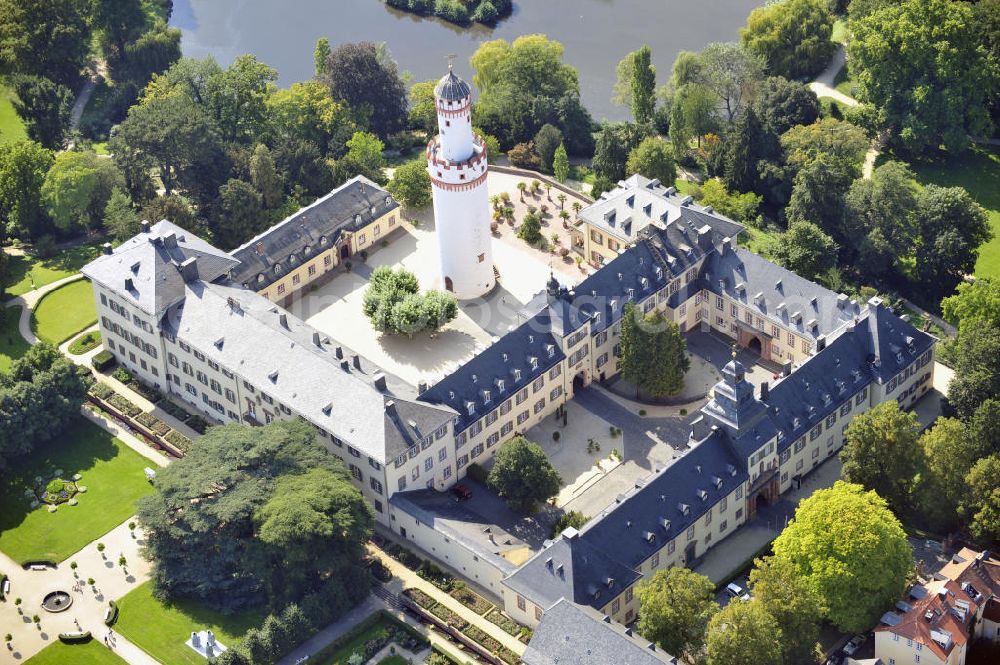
(823, 86)
(28, 301)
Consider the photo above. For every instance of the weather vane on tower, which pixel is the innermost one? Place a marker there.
(451, 61)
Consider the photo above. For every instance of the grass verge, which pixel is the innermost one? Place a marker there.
(28, 272)
(85, 653)
(12, 345)
(11, 125)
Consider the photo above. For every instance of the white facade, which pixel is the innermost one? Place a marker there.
(456, 162)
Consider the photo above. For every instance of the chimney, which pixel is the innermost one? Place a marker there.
(379, 381)
(315, 338)
(344, 365)
(189, 268)
(356, 361)
(820, 343)
(421, 387)
(145, 225)
(705, 238)
(170, 240)
(339, 352)
(763, 391)
(106, 247)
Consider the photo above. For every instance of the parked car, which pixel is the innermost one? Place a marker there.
(852, 647)
(734, 590)
(461, 492)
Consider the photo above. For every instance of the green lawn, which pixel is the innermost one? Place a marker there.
(161, 629)
(839, 33)
(112, 474)
(64, 312)
(978, 171)
(12, 345)
(23, 271)
(685, 187)
(843, 82)
(86, 342)
(11, 127)
(88, 653)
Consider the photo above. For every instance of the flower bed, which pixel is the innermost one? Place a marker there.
(505, 623)
(508, 656)
(152, 423)
(177, 439)
(439, 578)
(124, 406)
(472, 600)
(449, 617)
(403, 555)
(419, 597)
(479, 636)
(101, 391)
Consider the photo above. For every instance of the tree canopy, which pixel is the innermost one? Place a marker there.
(636, 84)
(974, 303)
(805, 250)
(880, 453)
(923, 66)
(792, 601)
(255, 517)
(77, 188)
(411, 184)
(792, 36)
(653, 353)
(364, 78)
(744, 633)
(522, 475)
(393, 304)
(852, 550)
(653, 158)
(675, 607)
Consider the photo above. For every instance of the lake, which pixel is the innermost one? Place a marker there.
(595, 33)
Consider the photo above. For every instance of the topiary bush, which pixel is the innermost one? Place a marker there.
(103, 361)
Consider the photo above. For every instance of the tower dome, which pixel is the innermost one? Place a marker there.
(451, 88)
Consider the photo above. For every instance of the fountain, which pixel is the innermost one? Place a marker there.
(57, 601)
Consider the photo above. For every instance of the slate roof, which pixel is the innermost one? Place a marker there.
(309, 231)
(777, 294)
(451, 88)
(508, 360)
(579, 565)
(298, 366)
(146, 269)
(569, 634)
(638, 202)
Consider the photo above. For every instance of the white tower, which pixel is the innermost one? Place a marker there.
(456, 161)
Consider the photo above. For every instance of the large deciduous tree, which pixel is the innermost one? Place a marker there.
(805, 249)
(393, 304)
(23, 166)
(982, 504)
(615, 143)
(240, 214)
(45, 107)
(636, 84)
(522, 475)
(792, 36)
(653, 158)
(744, 633)
(77, 188)
(675, 607)
(257, 517)
(879, 216)
(363, 76)
(923, 66)
(881, 452)
(547, 141)
(48, 38)
(411, 184)
(948, 452)
(976, 355)
(731, 72)
(852, 550)
(974, 303)
(793, 603)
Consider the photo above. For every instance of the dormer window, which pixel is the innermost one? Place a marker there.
(471, 406)
(486, 397)
(533, 362)
(322, 240)
(388, 201)
(517, 375)
(683, 507)
(373, 211)
(500, 383)
(357, 219)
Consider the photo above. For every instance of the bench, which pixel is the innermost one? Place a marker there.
(150, 474)
(107, 615)
(6, 588)
(39, 566)
(76, 636)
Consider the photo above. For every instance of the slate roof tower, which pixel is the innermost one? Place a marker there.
(456, 161)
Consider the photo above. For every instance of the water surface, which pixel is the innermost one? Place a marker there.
(596, 34)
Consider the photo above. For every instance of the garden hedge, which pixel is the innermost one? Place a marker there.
(103, 361)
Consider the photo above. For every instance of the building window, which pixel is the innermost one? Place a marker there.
(690, 532)
(281, 289)
(521, 605)
(295, 280)
(428, 464)
(375, 485)
(539, 405)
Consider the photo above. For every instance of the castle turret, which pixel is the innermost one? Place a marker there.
(456, 161)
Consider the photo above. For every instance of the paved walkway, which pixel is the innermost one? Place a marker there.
(89, 602)
(29, 300)
(404, 578)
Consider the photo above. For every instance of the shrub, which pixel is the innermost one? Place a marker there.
(101, 391)
(574, 519)
(523, 156)
(530, 230)
(122, 374)
(152, 423)
(508, 656)
(197, 423)
(419, 597)
(112, 615)
(451, 10)
(555, 436)
(477, 473)
(103, 361)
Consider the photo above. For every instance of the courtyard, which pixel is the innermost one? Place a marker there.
(112, 474)
(336, 307)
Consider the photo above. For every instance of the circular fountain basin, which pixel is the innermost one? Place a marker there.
(57, 601)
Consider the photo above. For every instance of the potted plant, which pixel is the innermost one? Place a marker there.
(131, 528)
(72, 566)
(17, 604)
(100, 548)
(38, 621)
(8, 638)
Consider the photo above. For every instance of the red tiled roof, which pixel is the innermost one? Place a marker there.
(938, 604)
